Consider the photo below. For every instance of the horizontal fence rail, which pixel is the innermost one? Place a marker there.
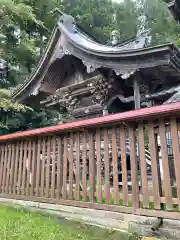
(127, 162)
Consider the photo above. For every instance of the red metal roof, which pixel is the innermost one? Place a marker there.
(140, 114)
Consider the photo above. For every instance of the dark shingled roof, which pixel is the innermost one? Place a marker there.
(67, 25)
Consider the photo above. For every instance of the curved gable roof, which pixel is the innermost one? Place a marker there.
(67, 25)
(126, 58)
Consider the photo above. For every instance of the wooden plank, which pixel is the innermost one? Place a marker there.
(5, 168)
(20, 169)
(115, 166)
(32, 190)
(48, 166)
(124, 165)
(12, 164)
(71, 167)
(53, 167)
(143, 166)
(59, 169)
(137, 96)
(24, 168)
(64, 194)
(8, 168)
(77, 188)
(38, 167)
(2, 164)
(165, 164)
(153, 152)
(134, 168)
(176, 154)
(29, 167)
(84, 177)
(98, 155)
(43, 166)
(91, 167)
(15, 180)
(106, 165)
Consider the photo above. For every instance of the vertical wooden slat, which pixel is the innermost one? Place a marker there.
(84, 177)
(4, 168)
(64, 194)
(106, 164)
(59, 169)
(12, 169)
(115, 166)
(176, 154)
(91, 167)
(124, 165)
(43, 166)
(53, 167)
(16, 168)
(165, 164)
(143, 166)
(48, 165)
(77, 188)
(98, 154)
(29, 167)
(24, 168)
(38, 168)
(2, 165)
(8, 168)
(71, 168)
(20, 169)
(153, 151)
(34, 154)
(134, 173)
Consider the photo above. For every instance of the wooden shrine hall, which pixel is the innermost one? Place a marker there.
(87, 79)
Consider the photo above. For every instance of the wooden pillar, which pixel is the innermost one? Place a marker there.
(105, 111)
(137, 97)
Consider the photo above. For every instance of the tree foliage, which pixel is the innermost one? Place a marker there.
(94, 16)
(157, 21)
(27, 24)
(8, 108)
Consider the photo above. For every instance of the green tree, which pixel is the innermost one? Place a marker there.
(94, 16)
(157, 21)
(26, 25)
(18, 47)
(8, 109)
(126, 19)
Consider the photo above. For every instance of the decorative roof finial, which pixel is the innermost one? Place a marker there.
(59, 11)
(66, 20)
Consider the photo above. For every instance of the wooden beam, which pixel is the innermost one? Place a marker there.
(137, 97)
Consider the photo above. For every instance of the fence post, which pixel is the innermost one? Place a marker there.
(154, 168)
(142, 158)
(91, 166)
(134, 168)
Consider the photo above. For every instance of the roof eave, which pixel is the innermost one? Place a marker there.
(174, 7)
(39, 69)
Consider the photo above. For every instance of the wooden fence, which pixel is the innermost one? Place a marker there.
(99, 163)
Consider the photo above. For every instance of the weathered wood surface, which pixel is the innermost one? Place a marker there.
(94, 167)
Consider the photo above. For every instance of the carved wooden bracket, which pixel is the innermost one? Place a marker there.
(91, 66)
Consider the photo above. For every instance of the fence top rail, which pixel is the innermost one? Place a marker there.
(141, 114)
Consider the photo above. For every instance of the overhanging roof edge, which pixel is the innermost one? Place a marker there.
(39, 66)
